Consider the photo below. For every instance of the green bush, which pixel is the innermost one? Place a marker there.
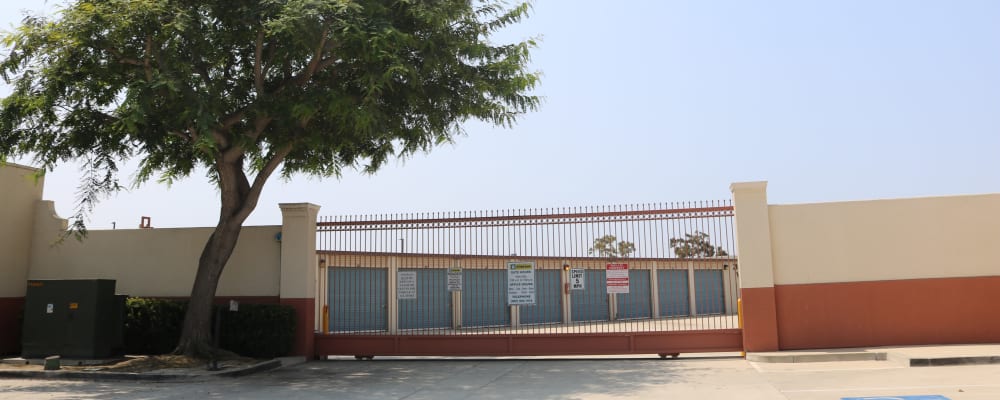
(153, 326)
(258, 330)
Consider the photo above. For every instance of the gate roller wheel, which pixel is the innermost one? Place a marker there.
(672, 355)
(364, 357)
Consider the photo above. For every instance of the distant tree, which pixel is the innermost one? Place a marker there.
(609, 246)
(248, 89)
(696, 245)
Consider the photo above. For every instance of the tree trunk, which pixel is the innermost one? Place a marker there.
(196, 334)
(239, 198)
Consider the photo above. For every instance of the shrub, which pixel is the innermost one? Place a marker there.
(258, 330)
(153, 326)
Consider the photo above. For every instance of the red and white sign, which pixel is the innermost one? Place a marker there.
(617, 278)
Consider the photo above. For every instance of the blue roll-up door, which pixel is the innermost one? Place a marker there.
(432, 307)
(637, 303)
(484, 298)
(591, 304)
(673, 293)
(548, 299)
(357, 298)
(709, 293)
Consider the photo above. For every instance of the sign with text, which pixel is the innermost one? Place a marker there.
(617, 278)
(406, 285)
(520, 283)
(455, 279)
(576, 279)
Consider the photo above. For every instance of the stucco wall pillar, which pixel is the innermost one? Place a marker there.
(298, 271)
(20, 193)
(753, 241)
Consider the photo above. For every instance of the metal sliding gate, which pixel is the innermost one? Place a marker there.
(659, 279)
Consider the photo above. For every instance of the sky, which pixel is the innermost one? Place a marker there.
(667, 101)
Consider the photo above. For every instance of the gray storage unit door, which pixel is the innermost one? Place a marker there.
(709, 293)
(432, 307)
(591, 304)
(672, 288)
(637, 303)
(548, 299)
(358, 298)
(484, 298)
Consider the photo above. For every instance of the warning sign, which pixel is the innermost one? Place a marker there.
(455, 279)
(520, 283)
(576, 280)
(617, 278)
(406, 285)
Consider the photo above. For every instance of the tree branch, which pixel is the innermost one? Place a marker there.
(221, 141)
(259, 125)
(258, 61)
(313, 65)
(145, 62)
(232, 119)
(203, 71)
(182, 135)
(253, 195)
(122, 59)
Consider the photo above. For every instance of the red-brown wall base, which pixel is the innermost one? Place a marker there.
(888, 313)
(305, 326)
(222, 300)
(530, 345)
(760, 324)
(10, 333)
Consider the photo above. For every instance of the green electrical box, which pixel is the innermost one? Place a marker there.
(81, 319)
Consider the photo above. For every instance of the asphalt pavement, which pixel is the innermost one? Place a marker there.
(716, 376)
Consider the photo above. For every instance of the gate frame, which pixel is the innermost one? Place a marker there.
(523, 344)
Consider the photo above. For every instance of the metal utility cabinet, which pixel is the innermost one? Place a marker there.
(81, 319)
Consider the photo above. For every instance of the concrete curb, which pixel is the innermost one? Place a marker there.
(862, 355)
(134, 376)
(946, 361)
(823, 357)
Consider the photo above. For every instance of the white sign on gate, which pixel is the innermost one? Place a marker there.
(406, 285)
(576, 279)
(617, 278)
(455, 279)
(520, 283)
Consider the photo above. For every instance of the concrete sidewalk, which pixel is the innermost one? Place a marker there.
(913, 356)
(161, 375)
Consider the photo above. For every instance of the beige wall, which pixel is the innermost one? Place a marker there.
(885, 239)
(19, 192)
(154, 262)
(753, 235)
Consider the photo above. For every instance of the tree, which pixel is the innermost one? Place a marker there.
(609, 246)
(247, 88)
(696, 245)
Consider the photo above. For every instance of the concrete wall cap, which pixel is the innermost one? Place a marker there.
(19, 166)
(755, 185)
(298, 208)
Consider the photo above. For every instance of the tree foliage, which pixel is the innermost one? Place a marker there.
(696, 245)
(248, 88)
(609, 246)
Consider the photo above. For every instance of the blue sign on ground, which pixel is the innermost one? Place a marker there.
(921, 397)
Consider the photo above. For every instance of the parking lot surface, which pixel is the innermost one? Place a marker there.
(714, 377)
